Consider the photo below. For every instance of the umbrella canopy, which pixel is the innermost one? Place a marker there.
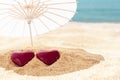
(27, 18)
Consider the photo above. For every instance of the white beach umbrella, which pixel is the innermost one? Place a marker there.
(27, 18)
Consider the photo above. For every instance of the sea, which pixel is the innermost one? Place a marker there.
(97, 11)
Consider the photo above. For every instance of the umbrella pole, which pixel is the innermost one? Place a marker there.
(30, 30)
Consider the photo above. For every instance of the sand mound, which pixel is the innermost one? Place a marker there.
(71, 60)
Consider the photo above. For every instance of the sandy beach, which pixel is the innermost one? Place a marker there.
(98, 42)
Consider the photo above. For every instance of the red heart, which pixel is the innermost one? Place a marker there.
(21, 58)
(48, 57)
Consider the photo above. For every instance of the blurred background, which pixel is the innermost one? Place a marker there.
(98, 11)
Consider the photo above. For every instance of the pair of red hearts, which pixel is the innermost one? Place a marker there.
(20, 58)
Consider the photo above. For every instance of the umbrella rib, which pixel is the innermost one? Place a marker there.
(44, 24)
(33, 11)
(58, 15)
(51, 20)
(16, 13)
(61, 3)
(61, 9)
(37, 11)
(29, 10)
(21, 8)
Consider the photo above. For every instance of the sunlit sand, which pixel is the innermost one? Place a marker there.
(98, 42)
